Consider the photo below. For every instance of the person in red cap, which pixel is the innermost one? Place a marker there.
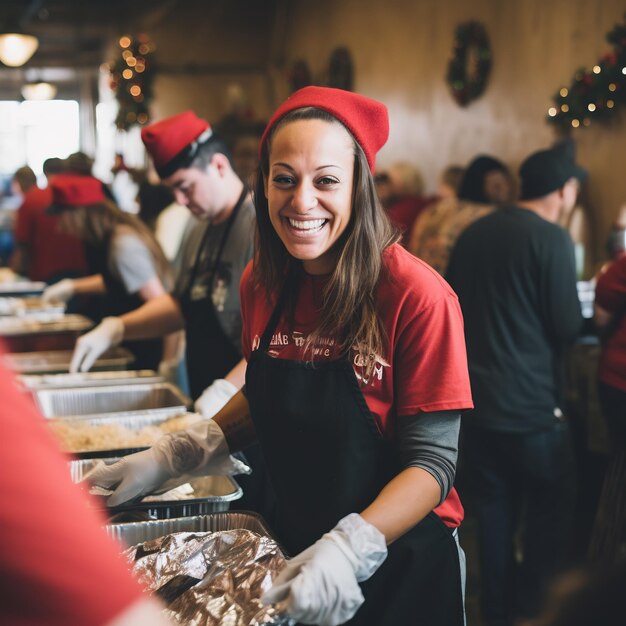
(356, 377)
(129, 265)
(195, 163)
(42, 252)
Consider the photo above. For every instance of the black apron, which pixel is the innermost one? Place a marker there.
(211, 354)
(326, 458)
(117, 301)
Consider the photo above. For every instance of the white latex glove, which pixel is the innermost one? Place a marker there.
(201, 449)
(320, 585)
(59, 292)
(168, 368)
(214, 397)
(90, 346)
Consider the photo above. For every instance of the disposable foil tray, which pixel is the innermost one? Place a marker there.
(89, 379)
(135, 399)
(21, 288)
(137, 532)
(59, 361)
(133, 422)
(43, 323)
(29, 307)
(210, 495)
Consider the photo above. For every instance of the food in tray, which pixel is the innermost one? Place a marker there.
(210, 578)
(77, 435)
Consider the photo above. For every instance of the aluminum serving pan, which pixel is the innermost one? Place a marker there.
(29, 307)
(54, 361)
(210, 495)
(89, 379)
(116, 434)
(21, 288)
(137, 532)
(43, 324)
(87, 402)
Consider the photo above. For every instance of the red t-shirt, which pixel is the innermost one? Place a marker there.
(57, 565)
(426, 365)
(611, 296)
(51, 252)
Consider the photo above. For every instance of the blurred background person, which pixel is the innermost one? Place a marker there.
(81, 163)
(608, 540)
(43, 252)
(405, 199)
(129, 266)
(486, 183)
(514, 273)
(450, 181)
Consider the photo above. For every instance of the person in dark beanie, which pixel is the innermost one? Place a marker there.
(355, 382)
(514, 273)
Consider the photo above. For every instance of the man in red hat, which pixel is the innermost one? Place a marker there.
(195, 163)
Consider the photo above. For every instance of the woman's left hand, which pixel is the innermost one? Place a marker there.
(320, 585)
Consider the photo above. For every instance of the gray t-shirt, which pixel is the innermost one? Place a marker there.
(130, 260)
(237, 252)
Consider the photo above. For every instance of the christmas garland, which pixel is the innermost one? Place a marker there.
(470, 65)
(597, 93)
(131, 78)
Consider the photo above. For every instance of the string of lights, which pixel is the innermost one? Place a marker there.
(594, 94)
(131, 78)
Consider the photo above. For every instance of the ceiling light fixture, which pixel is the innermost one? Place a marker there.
(39, 91)
(17, 48)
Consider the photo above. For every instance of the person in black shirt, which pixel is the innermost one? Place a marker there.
(514, 273)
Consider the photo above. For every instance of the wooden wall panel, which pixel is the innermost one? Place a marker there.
(401, 50)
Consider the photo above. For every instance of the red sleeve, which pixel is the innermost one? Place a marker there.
(611, 286)
(57, 564)
(424, 323)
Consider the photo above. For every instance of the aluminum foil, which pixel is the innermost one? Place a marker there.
(211, 579)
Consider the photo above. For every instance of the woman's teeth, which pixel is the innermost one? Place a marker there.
(306, 224)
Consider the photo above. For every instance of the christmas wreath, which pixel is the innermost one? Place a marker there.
(470, 65)
(131, 78)
(594, 94)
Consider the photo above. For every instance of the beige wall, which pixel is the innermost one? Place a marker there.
(401, 50)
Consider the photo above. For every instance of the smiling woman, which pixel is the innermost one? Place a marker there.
(309, 190)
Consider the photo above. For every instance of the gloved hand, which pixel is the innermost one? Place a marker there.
(320, 585)
(214, 397)
(90, 346)
(201, 449)
(59, 292)
(168, 368)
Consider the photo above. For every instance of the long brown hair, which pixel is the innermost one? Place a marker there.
(96, 223)
(350, 294)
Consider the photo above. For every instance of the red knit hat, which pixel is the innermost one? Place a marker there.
(173, 142)
(365, 118)
(71, 190)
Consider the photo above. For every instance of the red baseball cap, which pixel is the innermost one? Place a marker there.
(71, 190)
(366, 119)
(173, 142)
